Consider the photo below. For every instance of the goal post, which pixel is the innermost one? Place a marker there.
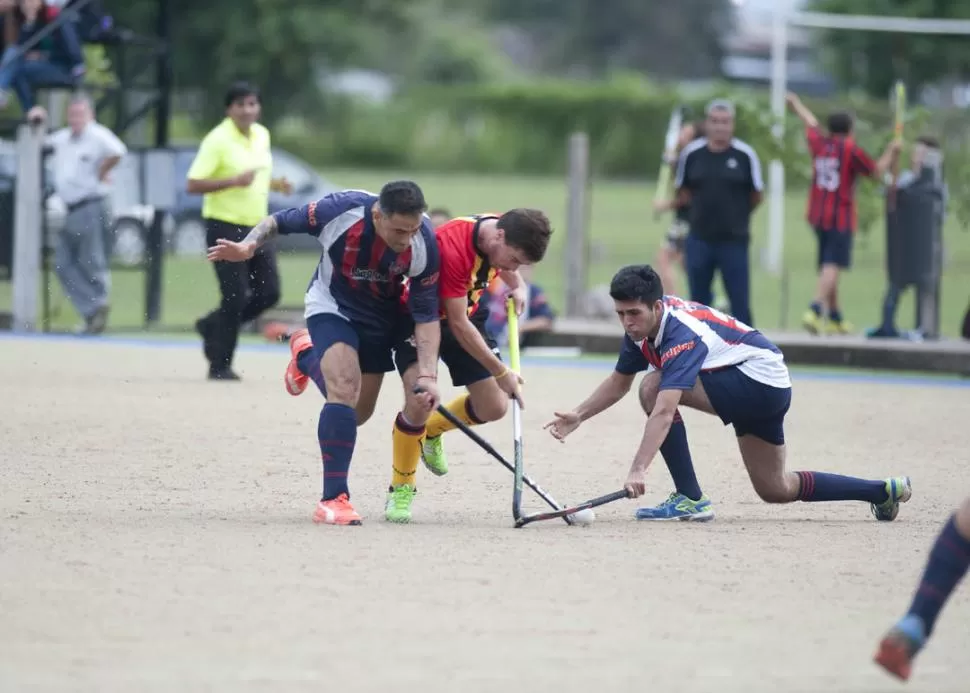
(784, 18)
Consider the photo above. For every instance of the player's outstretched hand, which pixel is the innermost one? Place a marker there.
(636, 483)
(229, 251)
(564, 424)
(510, 382)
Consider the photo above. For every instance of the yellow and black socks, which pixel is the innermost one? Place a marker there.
(461, 407)
(406, 439)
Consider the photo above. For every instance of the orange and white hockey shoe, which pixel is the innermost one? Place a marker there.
(337, 511)
(295, 380)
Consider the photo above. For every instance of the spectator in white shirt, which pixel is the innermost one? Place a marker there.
(84, 154)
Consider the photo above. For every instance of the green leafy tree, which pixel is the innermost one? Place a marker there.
(600, 37)
(278, 44)
(875, 60)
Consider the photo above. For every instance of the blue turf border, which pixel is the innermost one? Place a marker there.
(584, 363)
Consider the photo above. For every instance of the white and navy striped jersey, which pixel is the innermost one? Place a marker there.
(359, 277)
(694, 338)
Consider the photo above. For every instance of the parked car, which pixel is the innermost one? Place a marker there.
(183, 230)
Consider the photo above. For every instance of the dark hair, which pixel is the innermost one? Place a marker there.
(637, 283)
(527, 230)
(840, 123)
(402, 197)
(440, 212)
(929, 141)
(238, 91)
(699, 129)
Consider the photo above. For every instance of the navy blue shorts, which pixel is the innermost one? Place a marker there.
(834, 248)
(753, 408)
(375, 352)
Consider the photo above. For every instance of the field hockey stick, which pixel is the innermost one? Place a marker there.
(670, 151)
(487, 447)
(566, 512)
(518, 470)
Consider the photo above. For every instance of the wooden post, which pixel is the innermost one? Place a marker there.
(577, 221)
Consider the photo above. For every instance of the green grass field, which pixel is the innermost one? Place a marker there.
(622, 231)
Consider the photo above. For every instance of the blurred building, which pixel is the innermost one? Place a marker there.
(747, 50)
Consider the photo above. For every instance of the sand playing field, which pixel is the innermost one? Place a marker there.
(155, 536)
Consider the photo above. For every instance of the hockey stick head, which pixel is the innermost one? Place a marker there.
(523, 520)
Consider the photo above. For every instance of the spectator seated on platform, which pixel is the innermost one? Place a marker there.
(55, 61)
(537, 317)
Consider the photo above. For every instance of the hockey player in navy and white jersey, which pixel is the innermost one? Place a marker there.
(696, 356)
(356, 319)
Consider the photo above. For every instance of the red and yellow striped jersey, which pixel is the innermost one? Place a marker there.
(465, 271)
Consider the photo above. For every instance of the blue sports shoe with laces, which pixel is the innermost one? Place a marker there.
(679, 507)
(899, 489)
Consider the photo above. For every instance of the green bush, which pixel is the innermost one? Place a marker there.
(523, 127)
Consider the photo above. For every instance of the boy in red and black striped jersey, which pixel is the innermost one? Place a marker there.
(473, 251)
(837, 162)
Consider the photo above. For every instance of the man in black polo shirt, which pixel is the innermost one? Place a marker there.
(719, 177)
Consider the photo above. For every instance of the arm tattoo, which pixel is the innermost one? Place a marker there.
(262, 232)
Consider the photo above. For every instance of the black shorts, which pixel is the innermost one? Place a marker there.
(465, 370)
(677, 234)
(834, 248)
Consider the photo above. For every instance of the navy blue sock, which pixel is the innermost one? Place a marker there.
(816, 308)
(337, 432)
(819, 487)
(309, 365)
(947, 565)
(676, 454)
(835, 315)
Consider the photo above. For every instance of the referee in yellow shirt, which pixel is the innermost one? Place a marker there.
(232, 171)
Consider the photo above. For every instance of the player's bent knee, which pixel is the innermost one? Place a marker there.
(649, 387)
(776, 489)
(341, 374)
(343, 389)
(772, 494)
(491, 407)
